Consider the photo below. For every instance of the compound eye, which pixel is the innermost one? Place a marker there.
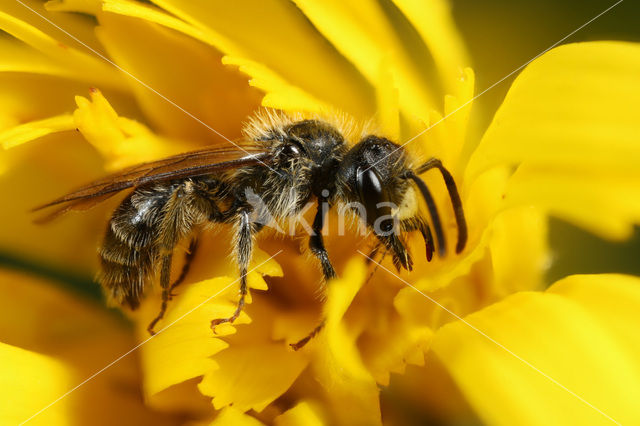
(372, 194)
(369, 186)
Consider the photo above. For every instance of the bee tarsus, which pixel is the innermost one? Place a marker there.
(302, 342)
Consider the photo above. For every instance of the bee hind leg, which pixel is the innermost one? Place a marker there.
(244, 249)
(165, 273)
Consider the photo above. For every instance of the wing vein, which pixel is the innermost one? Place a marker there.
(189, 164)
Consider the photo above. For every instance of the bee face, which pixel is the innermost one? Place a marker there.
(373, 182)
(372, 174)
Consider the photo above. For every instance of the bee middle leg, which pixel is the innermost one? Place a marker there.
(188, 258)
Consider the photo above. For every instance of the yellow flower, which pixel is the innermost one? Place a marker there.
(469, 337)
(51, 342)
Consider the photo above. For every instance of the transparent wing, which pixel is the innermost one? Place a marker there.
(189, 164)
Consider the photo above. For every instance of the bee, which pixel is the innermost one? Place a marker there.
(287, 163)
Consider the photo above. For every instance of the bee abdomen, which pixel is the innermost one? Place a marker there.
(129, 249)
(124, 284)
(125, 269)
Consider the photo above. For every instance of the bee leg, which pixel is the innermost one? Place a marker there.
(316, 243)
(419, 224)
(244, 248)
(300, 343)
(165, 273)
(193, 246)
(371, 259)
(174, 226)
(373, 253)
(407, 226)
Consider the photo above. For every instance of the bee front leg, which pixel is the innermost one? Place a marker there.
(316, 243)
(420, 224)
(243, 252)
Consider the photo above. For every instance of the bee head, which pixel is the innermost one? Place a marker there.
(373, 183)
(312, 146)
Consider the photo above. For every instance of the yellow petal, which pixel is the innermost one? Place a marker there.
(606, 203)
(90, 7)
(572, 107)
(36, 173)
(17, 57)
(348, 26)
(427, 393)
(34, 130)
(349, 387)
(391, 350)
(77, 62)
(571, 354)
(183, 350)
(444, 135)
(570, 119)
(185, 346)
(30, 382)
(30, 96)
(434, 22)
(237, 375)
(388, 104)
(279, 93)
(121, 141)
(304, 413)
(252, 376)
(275, 34)
(186, 98)
(185, 341)
(463, 290)
(65, 339)
(35, 14)
(233, 416)
(35, 57)
(519, 250)
(152, 14)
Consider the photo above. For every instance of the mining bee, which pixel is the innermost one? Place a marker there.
(284, 161)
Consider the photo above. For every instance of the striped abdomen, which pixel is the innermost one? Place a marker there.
(129, 251)
(144, 230)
